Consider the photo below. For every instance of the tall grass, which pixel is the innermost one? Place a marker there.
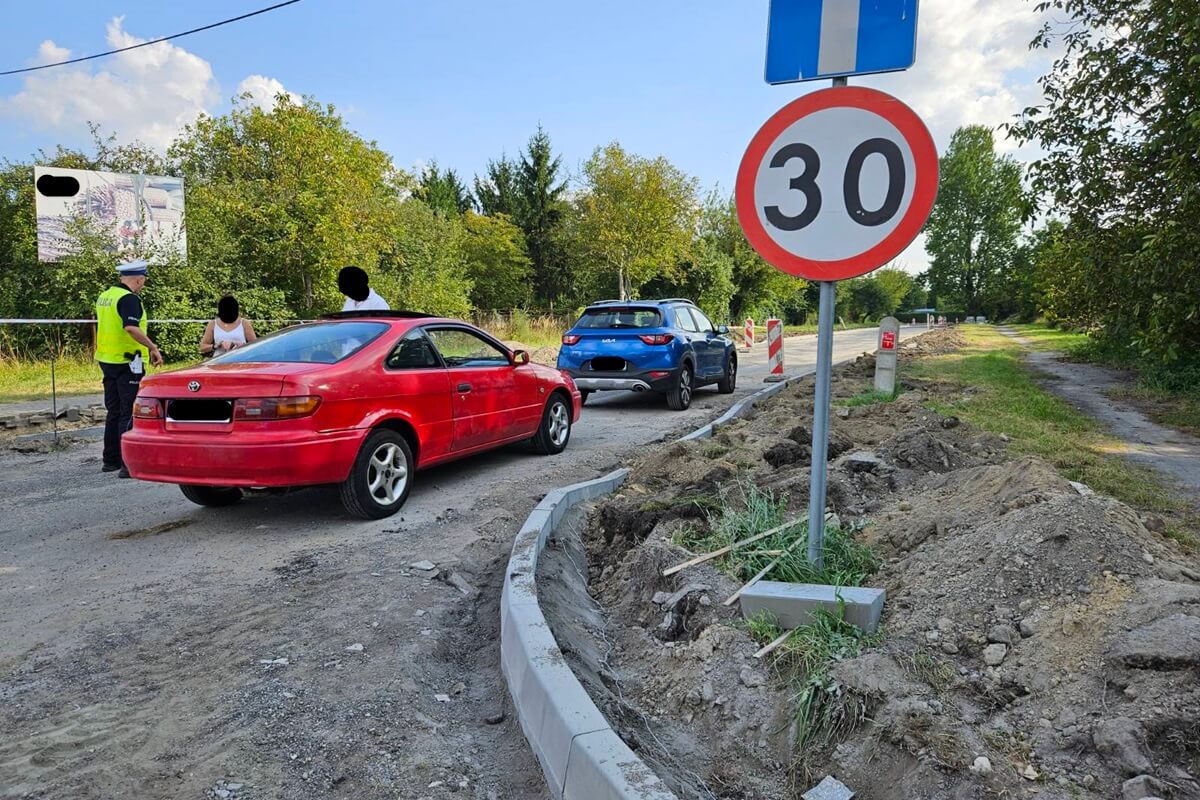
(821, 710)
(846, 561)
(806, 657)
(531, 330)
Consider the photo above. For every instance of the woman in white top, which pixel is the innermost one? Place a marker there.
(352, 282)
(228, 330)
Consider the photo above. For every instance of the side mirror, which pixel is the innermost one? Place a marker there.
(722, 329)
(520, 357)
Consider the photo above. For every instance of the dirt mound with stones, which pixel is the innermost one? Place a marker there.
(1038, 639)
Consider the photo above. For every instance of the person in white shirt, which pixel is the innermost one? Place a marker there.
(229, 330)
(352, 282)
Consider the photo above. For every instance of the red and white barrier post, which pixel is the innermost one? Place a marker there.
(775, 349)
(749, 333)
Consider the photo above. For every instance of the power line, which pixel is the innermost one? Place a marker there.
(156, 41)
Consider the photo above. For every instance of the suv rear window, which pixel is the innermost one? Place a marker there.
(620, 317)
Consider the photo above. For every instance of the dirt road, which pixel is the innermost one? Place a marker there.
(1088, 388)
(152, 649)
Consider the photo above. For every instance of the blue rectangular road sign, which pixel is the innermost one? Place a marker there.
(811, 39)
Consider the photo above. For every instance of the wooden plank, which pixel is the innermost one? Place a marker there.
(770, 648)
(691, 562)
(775, 561)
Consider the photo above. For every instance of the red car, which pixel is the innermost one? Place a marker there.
(361, 400)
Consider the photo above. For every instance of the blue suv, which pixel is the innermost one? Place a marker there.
(664, 346)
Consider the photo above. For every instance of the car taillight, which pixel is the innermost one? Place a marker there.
(657, 338)
(147, 408)
(570, 338)
(260, 408)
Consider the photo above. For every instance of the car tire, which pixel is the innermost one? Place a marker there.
(554, 431)
(211, 496)
(728, 383)
(680, 397)
(381, 477)
(583, 396)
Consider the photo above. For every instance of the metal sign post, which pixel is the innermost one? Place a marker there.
(820, 430)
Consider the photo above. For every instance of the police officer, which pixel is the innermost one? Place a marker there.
(122, 350)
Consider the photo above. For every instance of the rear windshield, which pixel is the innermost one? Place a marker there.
(620, 317)
(320, 343)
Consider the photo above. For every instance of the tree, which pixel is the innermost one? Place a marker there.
(896, 285)
(918, 294)
(497, 193)
(866, 300)
(1119, 130)
(973, 230)
(443, 191)
(285, 198)
(497, 262)
(425, 266)
(637, 214)
(705, 276)
(759, 290)
(539, 212)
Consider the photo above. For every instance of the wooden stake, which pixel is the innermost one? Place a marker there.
(771, 647)
(691, 562)
(733, 597)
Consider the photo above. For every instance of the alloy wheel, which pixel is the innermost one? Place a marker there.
(560, 424)
(387, 474)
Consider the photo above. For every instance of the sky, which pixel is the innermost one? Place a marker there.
(461, 81)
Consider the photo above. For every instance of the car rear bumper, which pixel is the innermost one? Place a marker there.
(293, 459)
(658, 380)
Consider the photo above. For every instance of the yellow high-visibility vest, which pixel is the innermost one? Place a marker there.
(112, 340)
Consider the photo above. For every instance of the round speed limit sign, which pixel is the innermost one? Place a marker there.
(837, 183)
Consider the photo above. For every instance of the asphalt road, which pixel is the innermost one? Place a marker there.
(136, 626)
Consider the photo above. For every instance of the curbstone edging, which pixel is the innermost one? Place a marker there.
(581, 756)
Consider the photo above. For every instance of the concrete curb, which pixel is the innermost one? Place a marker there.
(93, 433)
(581, 756)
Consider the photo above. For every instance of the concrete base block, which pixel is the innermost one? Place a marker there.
(794, 604)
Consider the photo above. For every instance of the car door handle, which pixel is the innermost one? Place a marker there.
(464, 387)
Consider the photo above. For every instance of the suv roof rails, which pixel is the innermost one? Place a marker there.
(641, 302)
(397, 314)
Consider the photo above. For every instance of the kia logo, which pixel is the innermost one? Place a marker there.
(194, 386)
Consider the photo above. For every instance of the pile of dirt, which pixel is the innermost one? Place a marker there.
(1039, 639)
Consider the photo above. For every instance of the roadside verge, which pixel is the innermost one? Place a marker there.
(581, 756)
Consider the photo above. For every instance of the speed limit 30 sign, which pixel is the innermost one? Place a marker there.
(837, 183)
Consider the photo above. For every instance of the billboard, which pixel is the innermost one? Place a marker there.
(133, 209)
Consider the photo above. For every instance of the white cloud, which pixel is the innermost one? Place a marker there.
(147, 94)
(973, 66)
(263, 91)
(50, 53)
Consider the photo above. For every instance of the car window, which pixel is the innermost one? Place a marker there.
(414, 351)
(704, 322)
(461, 348)
(620, 317)
(315, 343)
(685, 319)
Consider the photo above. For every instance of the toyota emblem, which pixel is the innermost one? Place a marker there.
(194, 386)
